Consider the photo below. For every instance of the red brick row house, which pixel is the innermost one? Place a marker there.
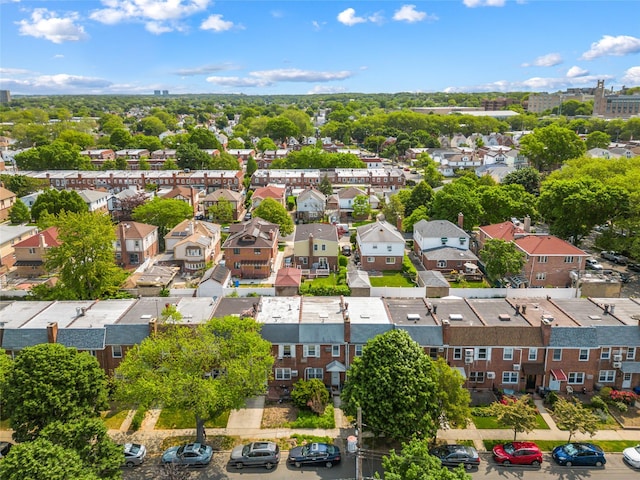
(251, 248)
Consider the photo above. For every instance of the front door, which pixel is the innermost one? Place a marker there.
(335, 379)
(554, 385)
(531, 382)
(626, 380)
(322, 262)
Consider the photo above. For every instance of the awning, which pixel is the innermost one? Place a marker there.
(630, 367)
(462, 372)
(471, 266)
(559, 375)
(533, 368)
(336, 366)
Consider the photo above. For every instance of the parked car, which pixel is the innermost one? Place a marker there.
(592, 264)
(346, 250)
(517, 453)
(454, 455)
(631, 455)
(255, 454)
(190, 454)
(614, 257)
(247, 216)
(634, 267)
(4, 448)
(314, 454)
(134, 454)
(579, 454)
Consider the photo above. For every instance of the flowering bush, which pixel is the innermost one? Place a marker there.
(628, 398)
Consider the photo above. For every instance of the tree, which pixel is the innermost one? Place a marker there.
(120, 138)
(325, 186)
(189, 155)
(19, 213)
(418, 214)
(415, 463)
(221, 212)
(252, 166)
(152, 126)
(281, 128)
(518, 415)
(89, 438)
(50, 382)
(224, 161)
(265, 144)
(164, 213)
(272, 211)
(528, 177)
(502, 202)
(598, 140)
(501, 258)
(574, 417)
(549, 147)
(310, 394)
(204, 139)
(55, 201)
(206, 369)
(22, 185)
(452, 398)
(74, 137)
(393, 382)
(430, 171)
(44, 460)
(361, 207)
(393, 210)
(58, 155)
(454, 198)
(421, 195)
(85, 258)
(5, 366)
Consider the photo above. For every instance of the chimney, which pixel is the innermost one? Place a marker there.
(399, 223)
(194, 204)
(347, 322)
(52, 332)
(527, 224)
(310, 249)
(446, 332)
(42, 243)
(546, 333)
(153, 327)
(461, 220)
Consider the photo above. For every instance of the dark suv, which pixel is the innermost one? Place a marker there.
(454, 455)
(255, 454)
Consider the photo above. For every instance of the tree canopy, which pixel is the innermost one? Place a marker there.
(59, 155)
(501, 258)
(272, 211)
(573, 416)
(55, 201)
(549, 147)
(19, 213)
(518, 415)
(164, 213)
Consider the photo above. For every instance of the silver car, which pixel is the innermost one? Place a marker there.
(256, 454)
(134, 454)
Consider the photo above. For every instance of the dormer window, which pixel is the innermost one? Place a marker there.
(444, 240)
(462, 240)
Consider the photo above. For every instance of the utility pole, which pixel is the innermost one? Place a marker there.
(359, 446)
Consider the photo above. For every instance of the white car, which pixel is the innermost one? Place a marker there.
(632, 456)
(592, 264)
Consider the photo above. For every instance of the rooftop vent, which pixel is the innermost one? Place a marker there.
(445, 321)
(595, 317)
(504, 317)
(146, 316)
(547, 318)
(413, 316)
(455, 316)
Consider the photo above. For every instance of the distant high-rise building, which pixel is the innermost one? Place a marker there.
(157, 92)
(165, 92)
(615, 105)
(5, 97)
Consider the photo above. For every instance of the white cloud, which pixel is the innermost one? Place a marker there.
(204, 69)
(58, 56)
(535, 84)
(576, 71)
(614, 46)
(58, 83)
(48, 25)
(348, 17)
(317, 26)
(632, 76)
(159, 16)
(408, 13)
(263, 78)
(548, 60)
(326, 89)
(484, 3)
(13, 71)
(216, 23)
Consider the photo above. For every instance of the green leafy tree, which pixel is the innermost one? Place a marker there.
(421, 195)
(170, 164)
(528, 177)
(44, 460)
(393, 210)
(361, 207)
(152, 126)
(452, 398)
(189, 155)
(22, 185)
(235, 143)
(265, 144)
(415, 463)
(300, 119)
(19, 213)
(204, 139)
(420, 213)
(120, 138)
(144, 164)
(58, 155)
(85, 258)
(221, 212)
(55, 201)
(281, 128)
(148, 143)
(325, 186)
(501, 258)
(224, 161)
(164, 213)
(74, 137)
(518, 415)
(272, 211)
(430, 171)
(598, 140)
(549, 147)
(88, 437)
(207, 369)
(252, 166)
(393, 383)
(310, 394)
(48, 383)
(573, 416)
(5, 366)
(457, 197)
(502, 202)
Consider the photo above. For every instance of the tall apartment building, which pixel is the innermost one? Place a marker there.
(541, 102)
(5, 97)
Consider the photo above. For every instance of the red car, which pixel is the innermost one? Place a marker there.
(518, 453)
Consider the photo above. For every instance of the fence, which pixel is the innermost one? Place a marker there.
(398, 292)
(246, 291)
(559, 293)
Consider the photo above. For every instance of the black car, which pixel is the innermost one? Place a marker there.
(454, 455)
(314, 454)
(634, 267)
(4, 448)
(346, 250)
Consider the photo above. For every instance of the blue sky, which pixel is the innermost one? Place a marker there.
(299, 47)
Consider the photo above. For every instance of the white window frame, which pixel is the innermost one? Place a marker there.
(606, 376)
(583, 355)
(286, 350)
(631, 353)
(507, 353)
(390, 260)
(541, 276)
(605, 353)
(313, 372)
(569, 259)
(335, 350)
(543, 259)
(441, 264)
(482, 353)
(457, 353)
(558, 357)
(357, 350)
(311, 351)
(533, 354)
(116, 351)
(371, 259)
(509, 377)
(283, 374)
(575, 378)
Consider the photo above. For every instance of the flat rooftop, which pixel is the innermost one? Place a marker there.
(456, 311)
(102, 313)
(409, 311)
(17, 314)
(322, 310)
(496, 311)
(279, 310)
(587, 313)
(366, 310)
(627, 310)
(62, 312)
(539, 308)
(234, 306)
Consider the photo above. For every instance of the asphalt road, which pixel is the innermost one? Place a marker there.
(615, 469)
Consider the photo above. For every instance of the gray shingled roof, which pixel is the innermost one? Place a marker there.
(322, 231)
(574, 337)
(82, 338)
(433, 278)
(322, 333)
(363, 332)
(281, 333)
(449, 253)
(130, 334)
(610, 335)
(19, 338)
(379, 232)
(439, 229)
(424, 335)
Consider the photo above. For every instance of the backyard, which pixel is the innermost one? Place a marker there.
(391, 279)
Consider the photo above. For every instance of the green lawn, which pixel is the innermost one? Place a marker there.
(113, 418)
(548, 445)
(330, 281)
(491, 423)
(309, 419)
(171, 418)
(391, 279)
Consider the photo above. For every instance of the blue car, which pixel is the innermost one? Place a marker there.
(191, 454)
(572, 454)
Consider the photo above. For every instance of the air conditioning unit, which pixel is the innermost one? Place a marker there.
(468, 360)
(491, 375)
(516, 367)
(294, 373)
(617, 364)
(617, 358)
(468, 352)
(441, 349)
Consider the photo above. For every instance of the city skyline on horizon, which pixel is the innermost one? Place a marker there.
(256, 47)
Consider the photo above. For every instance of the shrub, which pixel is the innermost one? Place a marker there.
(352, 238)
(343, 261)
(621, 406)
(408, 267)
(551, 399)
(310, 394)
(307, 419)
(605, 394)
(622, 396)
(598, 402)
(326, 290)
(481, 412)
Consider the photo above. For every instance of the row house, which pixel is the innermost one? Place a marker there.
(192, 244)
(271, 191)
(96, 200)
(243, 154)
(381, 246)
(251, 248)
(118, 180)
(165, 154)
(31, 253)
(235, 199)
(135, 243)
(379, 178)
(101, 154)
(188, 195)
(133, 153)
(549, 260)
(342, 201)
(510, 344)
(444, 246)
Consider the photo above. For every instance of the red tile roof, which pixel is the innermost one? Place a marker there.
(50, 237)
(269, 192)
(548, 245)
(289, 277)
(505, 231)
